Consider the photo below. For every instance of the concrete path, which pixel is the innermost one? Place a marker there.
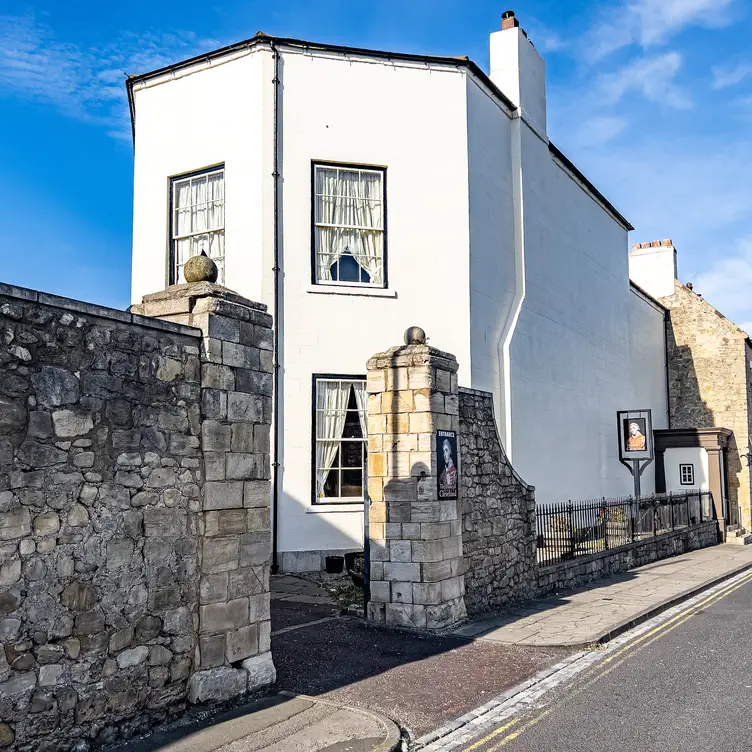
(610, 605)
(279, 723)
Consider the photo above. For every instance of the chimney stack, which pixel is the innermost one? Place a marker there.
(652, 266)
(508, 21)
(520, 72)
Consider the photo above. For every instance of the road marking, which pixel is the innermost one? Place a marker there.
(631, 649)
(492, 735)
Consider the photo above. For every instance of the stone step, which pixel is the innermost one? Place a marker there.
(740, 540)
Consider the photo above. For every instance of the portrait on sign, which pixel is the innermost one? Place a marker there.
(635, 435)
(446, 464)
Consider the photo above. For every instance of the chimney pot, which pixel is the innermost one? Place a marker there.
(508, 21)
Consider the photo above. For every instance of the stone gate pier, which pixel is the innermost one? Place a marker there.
(415, 537)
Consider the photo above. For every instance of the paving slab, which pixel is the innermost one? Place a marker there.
(611, 605)
(278, 723)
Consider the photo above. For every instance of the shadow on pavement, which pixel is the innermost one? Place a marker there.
(420, 681)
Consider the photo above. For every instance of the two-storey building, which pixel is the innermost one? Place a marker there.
(358, 192)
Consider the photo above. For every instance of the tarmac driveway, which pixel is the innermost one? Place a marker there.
(419, 681)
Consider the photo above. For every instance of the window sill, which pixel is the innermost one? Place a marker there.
(336, 507)
(368, 292)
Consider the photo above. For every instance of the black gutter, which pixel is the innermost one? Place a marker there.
(275, 411)
(606, 203)
(263, 39)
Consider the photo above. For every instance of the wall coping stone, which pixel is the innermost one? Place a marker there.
(91, 309)
(579, 560)
(202, 290)
(413, 355)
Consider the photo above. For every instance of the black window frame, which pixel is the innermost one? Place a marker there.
(682, 467)
(385, 232)
(315, 501)
(172, 179)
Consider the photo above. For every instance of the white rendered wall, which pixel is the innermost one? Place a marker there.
(492, 251)
(654, 269)
(418, 132)
(196, 121)
(414, 123)
(570, 353)
(696, 456)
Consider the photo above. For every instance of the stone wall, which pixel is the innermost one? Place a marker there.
(709, 382)
(498, 513)
(580, 571)
(121, 568)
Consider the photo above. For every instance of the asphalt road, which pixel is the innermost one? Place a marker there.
(687, 688)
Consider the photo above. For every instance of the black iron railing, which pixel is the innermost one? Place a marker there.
(570, 529)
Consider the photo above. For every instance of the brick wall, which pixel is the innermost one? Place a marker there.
(129, 585)
(709, 382)
(498, 513)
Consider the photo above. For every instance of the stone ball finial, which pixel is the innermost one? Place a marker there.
(200, 269)
(414, 335)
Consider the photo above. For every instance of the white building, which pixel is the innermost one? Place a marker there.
(393, 190)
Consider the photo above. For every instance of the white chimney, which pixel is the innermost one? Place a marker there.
(652, 266)
(520, 72)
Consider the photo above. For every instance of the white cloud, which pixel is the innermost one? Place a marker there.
(653, 77)
(727, 282)
(86, 84)
(600, 130)
(651, 22)
(730, 75)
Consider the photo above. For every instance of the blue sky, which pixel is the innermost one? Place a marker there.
(652, 99)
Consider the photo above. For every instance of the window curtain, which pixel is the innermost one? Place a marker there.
(371, 216)
(328, 211)
(331, 413)
(361, 400)
(344, 203)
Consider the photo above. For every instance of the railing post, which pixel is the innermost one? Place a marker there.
(632, 521)
(571, 529)
(604, 515)
(654, 504)
(671, 505)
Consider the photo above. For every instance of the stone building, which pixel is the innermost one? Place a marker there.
(709, 380)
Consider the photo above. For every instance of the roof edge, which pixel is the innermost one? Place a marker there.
(261, 39)
(615, 213)
(639, 289)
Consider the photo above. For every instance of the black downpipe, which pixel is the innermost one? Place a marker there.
(275, 418)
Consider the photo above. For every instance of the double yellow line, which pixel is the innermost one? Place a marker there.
(511, 730)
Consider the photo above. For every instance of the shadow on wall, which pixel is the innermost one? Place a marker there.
(497, 510)
(688, 409)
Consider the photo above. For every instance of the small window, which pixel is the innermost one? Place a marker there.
(687, 475)
(349, 235)
(339, 442)
(198, 220)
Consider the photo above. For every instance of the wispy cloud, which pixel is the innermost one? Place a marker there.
(84, 83)
(654, 78)
(730, 75)
(651, 22)
(727, 282)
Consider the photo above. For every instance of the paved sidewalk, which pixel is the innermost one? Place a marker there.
(279, 723)
(606, 607)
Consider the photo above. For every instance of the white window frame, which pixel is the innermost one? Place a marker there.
(337, 467)
(690, 469)
(190, 177)
(381, 172)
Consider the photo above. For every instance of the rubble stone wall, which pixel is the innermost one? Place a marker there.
(498, 513)
(709, 384)
(124, 574)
